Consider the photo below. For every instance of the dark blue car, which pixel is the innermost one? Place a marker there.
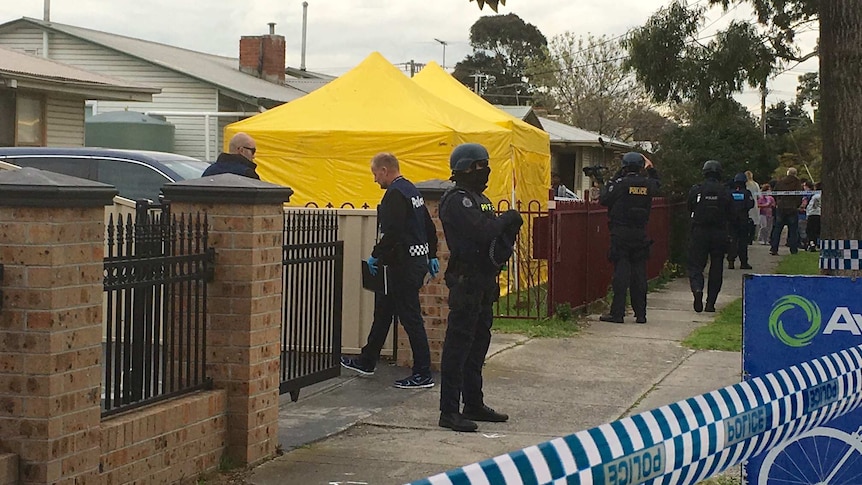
(137, 174)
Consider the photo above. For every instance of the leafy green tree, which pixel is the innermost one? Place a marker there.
(782, 118)
(586, 81)
(675, 63)
(491, 3)
(724, 131)
(503, 46)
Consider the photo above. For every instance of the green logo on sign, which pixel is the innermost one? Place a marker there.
(776, 324)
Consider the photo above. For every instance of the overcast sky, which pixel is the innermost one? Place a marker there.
(342, 32)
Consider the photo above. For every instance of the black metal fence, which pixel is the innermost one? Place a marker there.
(156, 270)
(312, 285)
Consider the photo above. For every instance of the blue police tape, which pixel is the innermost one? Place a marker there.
(687, 441)
(840, 254)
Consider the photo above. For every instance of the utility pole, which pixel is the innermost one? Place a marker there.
(477, 86)
(444, 44)
(763, 93)
(412, 68)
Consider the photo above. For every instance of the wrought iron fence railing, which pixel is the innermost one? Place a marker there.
(156, 273)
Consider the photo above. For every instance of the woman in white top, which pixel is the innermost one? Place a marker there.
(812, 211)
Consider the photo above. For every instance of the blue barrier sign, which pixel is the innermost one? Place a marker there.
(788, 320)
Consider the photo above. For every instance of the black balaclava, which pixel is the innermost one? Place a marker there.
(476, 180)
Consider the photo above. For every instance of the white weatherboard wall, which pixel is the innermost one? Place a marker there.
(179, 92)
(65, 118)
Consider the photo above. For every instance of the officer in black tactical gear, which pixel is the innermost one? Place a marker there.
(711, 206)
(740, 224)
(628, 197)
(480, 243)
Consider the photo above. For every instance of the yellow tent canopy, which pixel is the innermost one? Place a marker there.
(321, 144)
(530, 146)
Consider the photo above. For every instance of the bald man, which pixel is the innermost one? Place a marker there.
(239, 160)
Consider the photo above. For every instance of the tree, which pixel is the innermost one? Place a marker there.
(724, 131)
(782, 118)
(672, 60)
(840, 114)
(586, 80)
(491, 3)
(503, 46)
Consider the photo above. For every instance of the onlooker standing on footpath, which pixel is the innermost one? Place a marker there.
(766, 206)
(739, 227)
(239, 160)
(754, 213)
(710, 205)
(813, 210)
(787, 212)
(480, 243)
(408, 249)
(628, 197)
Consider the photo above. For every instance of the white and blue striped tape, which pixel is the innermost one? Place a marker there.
(840, 254)
(687, 441)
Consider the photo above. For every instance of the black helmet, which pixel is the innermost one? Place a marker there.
(712, 167)
(633, 161)
(464, 155)
(740, 178)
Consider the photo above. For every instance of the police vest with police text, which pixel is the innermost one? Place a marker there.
(415, 240)
(709, 204)
(633, 208)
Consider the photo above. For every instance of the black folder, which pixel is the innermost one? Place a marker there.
(378, 283)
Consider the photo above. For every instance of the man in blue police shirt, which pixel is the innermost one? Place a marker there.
(480, 243)
(408, 248)
(628, 197)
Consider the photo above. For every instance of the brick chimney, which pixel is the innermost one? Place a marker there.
(263, 55)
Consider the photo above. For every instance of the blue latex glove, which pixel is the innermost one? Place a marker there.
(372, 265)
(433, 266)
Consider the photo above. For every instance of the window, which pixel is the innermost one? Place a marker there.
(73, 166)
(30, 120)
(133, 181)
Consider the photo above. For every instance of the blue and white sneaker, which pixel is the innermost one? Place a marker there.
(416, 381)
(353, 364)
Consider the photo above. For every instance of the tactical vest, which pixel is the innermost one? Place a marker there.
(740, 212)
(415, 240)
(708, 210)
(633, 208)
(464, 251)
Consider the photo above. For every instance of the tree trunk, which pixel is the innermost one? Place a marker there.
(841, 119)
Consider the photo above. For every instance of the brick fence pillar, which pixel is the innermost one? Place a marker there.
(51, 248)
(244, 302)
(433, 296)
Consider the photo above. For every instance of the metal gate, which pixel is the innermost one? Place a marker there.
(313, 260)
(156, 273)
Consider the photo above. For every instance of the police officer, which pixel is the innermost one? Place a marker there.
(480, 243)
(740, 224)
(408, 248)
(711, 206)
(628, 197)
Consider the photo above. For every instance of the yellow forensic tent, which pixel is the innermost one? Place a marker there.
(321, 144)
(530, 146)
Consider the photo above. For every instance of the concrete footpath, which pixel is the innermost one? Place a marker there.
(355, 430)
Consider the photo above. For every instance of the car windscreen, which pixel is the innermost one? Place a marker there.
(187, 169)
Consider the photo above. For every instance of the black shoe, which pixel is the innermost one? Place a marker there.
(730, 265)
(746, 266)
(456, 422)
(640, 320)
(353, 364)
(607, 317)
(483, 413)
(698, 301)
(710, 307)
(774, 253)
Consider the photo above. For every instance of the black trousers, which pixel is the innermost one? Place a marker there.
(405, 280)
(738, 242)
(813, 230)
(706, 243)
(629, 253)
(468, 337)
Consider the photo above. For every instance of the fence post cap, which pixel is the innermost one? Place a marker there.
(227, 188)
(31, 187)
(433, 189)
